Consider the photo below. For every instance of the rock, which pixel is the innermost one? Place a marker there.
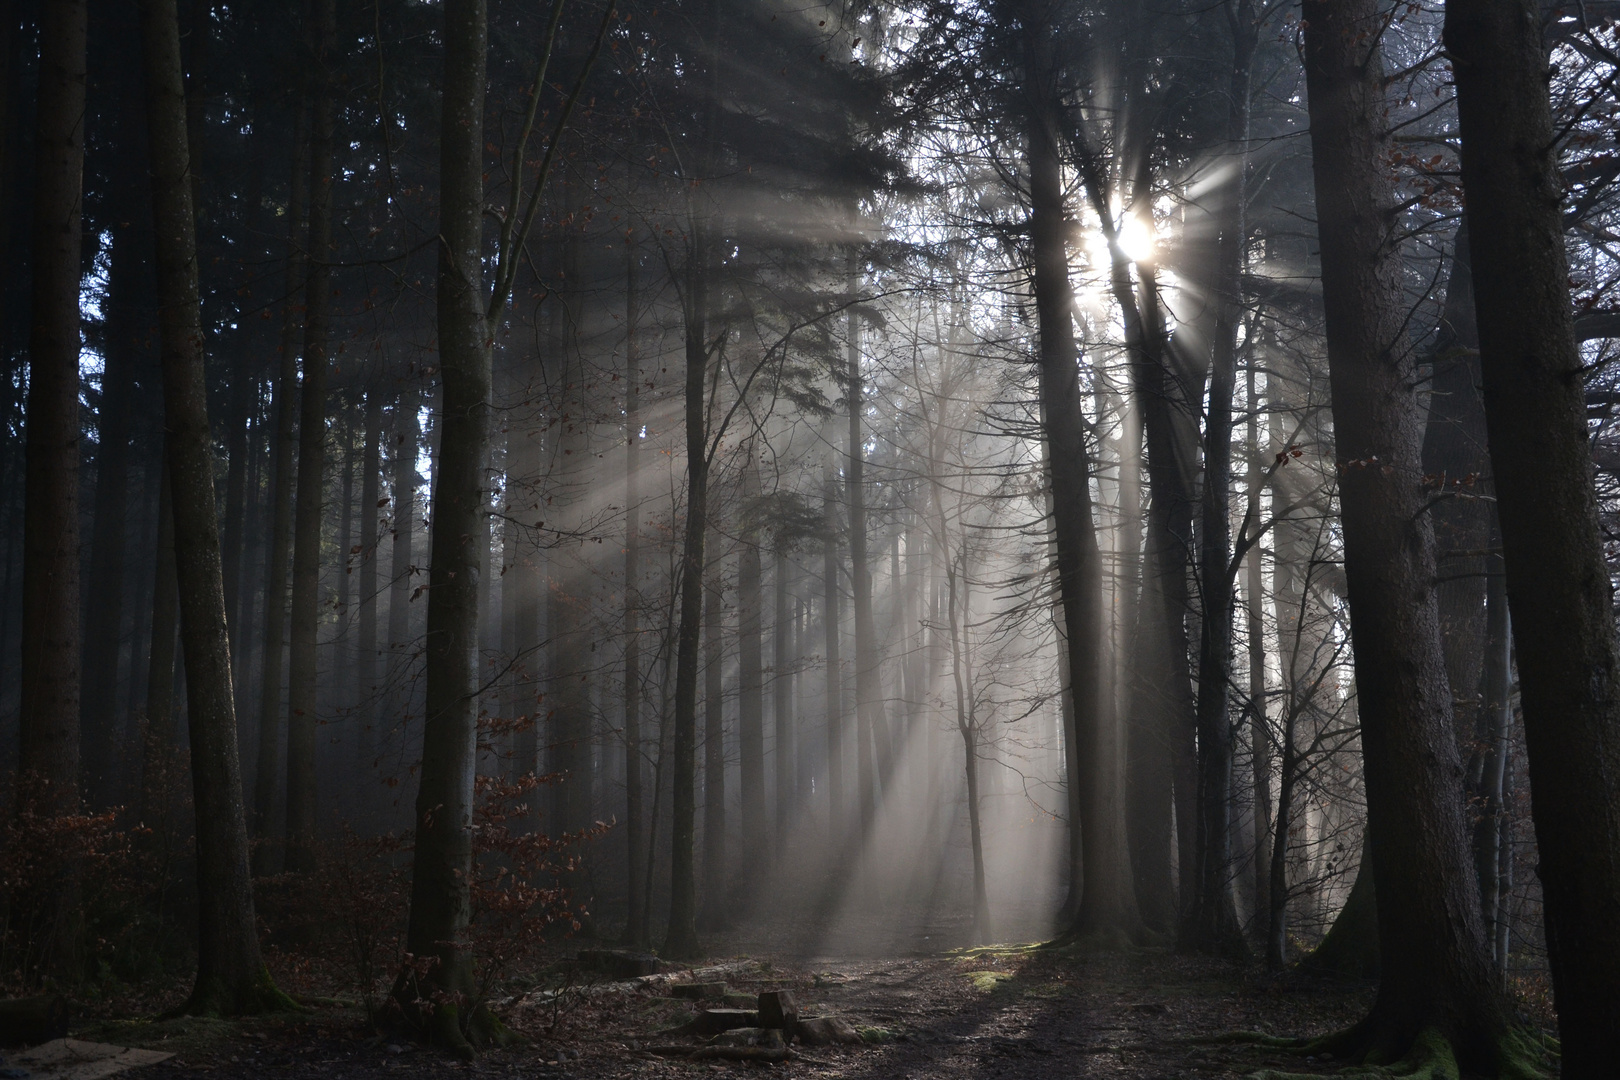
(777, 1009)
(712, 991)
(827, 1031)
(618, 963)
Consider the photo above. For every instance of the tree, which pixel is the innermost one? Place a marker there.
(1558, 583)
(1107, 908)
(49, 718)
(231, 976)
(1436, 996)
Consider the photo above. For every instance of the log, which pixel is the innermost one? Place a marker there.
(618, 963)
(698, 991)
(33, 1020)
(827, 1031)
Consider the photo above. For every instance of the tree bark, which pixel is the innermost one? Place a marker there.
(756, 823)
(365, 715)
(1107, 906)
(833, 689)
(868, 709)
(716, 859)
(785, 663)
(635, 812)
(158, 743)
(303, 656)
(1558, 583)
(1209, 920)
(49, 717)
(440, 898)
(99, 721)
(231, 976)
(681, 938)
(267, 771)
(1436, 973)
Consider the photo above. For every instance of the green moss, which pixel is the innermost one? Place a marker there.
(875, 1035)
(986, 981)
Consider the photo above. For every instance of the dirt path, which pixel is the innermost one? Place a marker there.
(989, 1013)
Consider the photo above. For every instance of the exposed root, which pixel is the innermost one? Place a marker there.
(1519, 1056)
(252, 996)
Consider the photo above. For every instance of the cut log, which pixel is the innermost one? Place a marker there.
(33, 1020)
(706, 991)
(777, 1009)
(827, 1031)
(711, 1022)
(617, 963)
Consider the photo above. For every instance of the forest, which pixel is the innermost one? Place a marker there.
(525, 523)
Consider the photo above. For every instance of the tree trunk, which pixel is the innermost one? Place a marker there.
(365, 718)
(1259, 724)
(833, 689)
(681, 939)
(1436, 972)
(231, 976)
(756, 824)
(440, 899)
(1209, 920)
(303, 655)
(1107, 906)
(784, 662)
(102, 732)
(1558, 583)
(716, 862)
(158, 744)
(635, 813)
(868, 709)
(49, 718)
(267, 770)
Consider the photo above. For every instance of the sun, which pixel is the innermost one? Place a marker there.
(1137, 239)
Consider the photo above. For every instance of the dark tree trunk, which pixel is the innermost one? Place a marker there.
(407, 440)
(716, 861)
(1107, 907)
(784, 662)
(231, 976)
(365, 717)
(99, 720)
(267, 770)
(158, 764)
(868, 708)
(681, 939)
(1209, 920)
(303, 654)
(1558, 583)
(440, 899)
(635, 813)
(1436, 971)
(833, 690)
(755, 825)
(49, 718)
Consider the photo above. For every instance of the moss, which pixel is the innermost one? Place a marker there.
(986, 981)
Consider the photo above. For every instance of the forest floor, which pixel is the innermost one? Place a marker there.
(1005, 1011)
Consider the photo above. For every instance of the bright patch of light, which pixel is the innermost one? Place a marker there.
(1136, 239)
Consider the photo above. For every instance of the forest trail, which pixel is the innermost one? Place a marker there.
(994, 1012)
